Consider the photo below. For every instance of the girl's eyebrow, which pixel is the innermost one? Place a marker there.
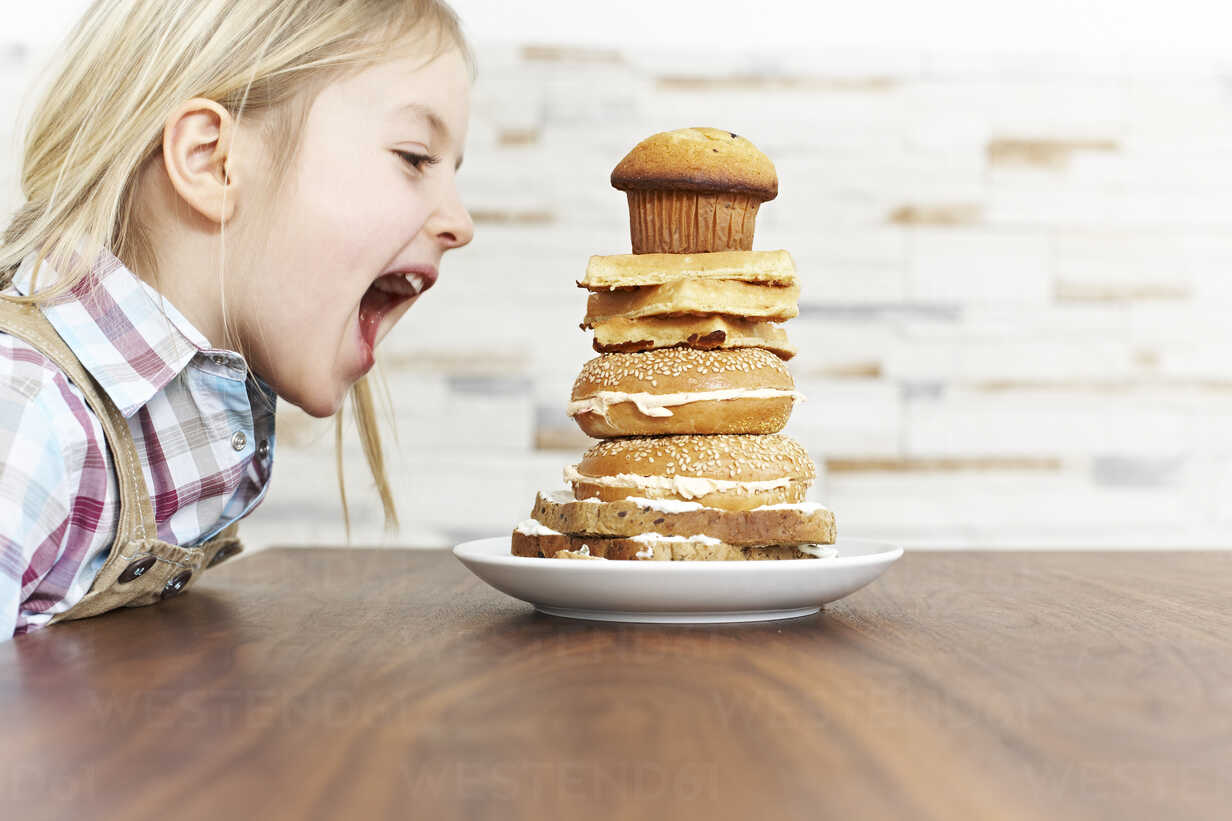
(439, 129)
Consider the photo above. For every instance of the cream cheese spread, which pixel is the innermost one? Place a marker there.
(666, 505)
(650, 538)
(803, 507)
(532, 527)
(688, 487)
(657, 404)
(821, 551)
(565, 496)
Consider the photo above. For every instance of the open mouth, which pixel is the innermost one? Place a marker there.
(387, 293)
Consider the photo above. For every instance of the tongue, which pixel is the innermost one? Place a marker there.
(372, 309)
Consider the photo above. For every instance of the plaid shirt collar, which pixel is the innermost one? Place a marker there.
(127, 335)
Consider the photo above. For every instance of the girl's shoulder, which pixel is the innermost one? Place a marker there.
(37, 398)
(26, 372)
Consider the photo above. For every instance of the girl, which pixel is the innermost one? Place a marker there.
(227, 201)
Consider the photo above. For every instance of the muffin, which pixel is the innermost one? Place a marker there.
(694, 190)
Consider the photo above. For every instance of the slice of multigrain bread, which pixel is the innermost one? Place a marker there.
(652, 547)
(774, 525)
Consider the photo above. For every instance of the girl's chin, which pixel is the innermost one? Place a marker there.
(325, 394)
(317, 392)
(322, 406)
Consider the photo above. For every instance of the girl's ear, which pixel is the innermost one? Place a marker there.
(197, 140)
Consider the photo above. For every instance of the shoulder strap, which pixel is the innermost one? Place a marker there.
(26, 322)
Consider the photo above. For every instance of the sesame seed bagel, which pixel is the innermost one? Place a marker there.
(683, 390)
(729, 472)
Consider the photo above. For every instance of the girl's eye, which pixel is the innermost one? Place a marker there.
(418, 161)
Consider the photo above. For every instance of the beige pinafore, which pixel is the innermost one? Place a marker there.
(140, 569)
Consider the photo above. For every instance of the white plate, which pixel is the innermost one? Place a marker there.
(678, 591)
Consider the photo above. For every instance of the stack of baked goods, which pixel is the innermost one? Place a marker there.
(689, 392)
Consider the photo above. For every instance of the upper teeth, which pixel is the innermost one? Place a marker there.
(404, 285)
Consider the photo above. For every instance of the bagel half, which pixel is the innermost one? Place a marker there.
(683, 391)
(729, 472)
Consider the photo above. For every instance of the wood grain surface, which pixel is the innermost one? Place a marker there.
(393, 684)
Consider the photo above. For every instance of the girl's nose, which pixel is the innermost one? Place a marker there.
(451, 224)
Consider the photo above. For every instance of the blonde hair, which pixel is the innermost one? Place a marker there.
(128, 63)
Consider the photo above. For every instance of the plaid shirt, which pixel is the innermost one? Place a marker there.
(204, 432)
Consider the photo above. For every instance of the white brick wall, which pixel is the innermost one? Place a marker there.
(979, 267)
(1017, 268)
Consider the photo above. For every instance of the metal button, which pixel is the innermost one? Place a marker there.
(239, 440)
(136, 569)
(263, 449)
(175, 585)
(219, 359)
(225, 552)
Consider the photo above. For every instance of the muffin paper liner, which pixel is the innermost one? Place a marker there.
(688, 222)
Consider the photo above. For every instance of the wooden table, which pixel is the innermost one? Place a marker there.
(392, 684)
